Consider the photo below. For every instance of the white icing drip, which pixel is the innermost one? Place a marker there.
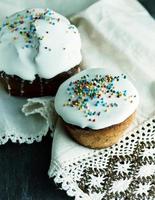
(2, 75)
(126, 105)
(54, 45)
(41, 87)
(78, 70)
(9, 88)
(22, 88)
(7, 82)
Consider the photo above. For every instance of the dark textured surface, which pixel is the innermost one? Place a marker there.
(23, 172)
(149, 5)
(23, 168)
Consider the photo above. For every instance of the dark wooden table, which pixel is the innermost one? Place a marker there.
(23, 167)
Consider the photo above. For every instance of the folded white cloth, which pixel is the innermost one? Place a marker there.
(116, 34)
(66, 8)
(14, 123)
(124, 171)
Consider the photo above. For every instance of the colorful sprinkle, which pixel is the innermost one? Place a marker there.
(86, 92)
(23, 24)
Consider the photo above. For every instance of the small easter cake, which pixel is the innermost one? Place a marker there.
(39, 49)
(97, 105)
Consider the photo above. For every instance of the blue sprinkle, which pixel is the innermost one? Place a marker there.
(70, 83)
(125, 92)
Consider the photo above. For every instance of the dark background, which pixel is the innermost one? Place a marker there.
(23, 167)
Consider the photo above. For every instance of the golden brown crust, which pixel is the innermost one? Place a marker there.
(102, 138)
(49, 86)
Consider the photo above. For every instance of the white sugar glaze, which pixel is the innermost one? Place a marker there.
(113, 109)
(38, 41)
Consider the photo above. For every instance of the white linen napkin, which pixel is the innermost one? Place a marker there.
(116, 34)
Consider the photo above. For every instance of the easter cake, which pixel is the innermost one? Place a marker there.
(97, 105)
(39, 49)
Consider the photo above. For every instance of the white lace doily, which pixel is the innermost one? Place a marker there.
(124, 171)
